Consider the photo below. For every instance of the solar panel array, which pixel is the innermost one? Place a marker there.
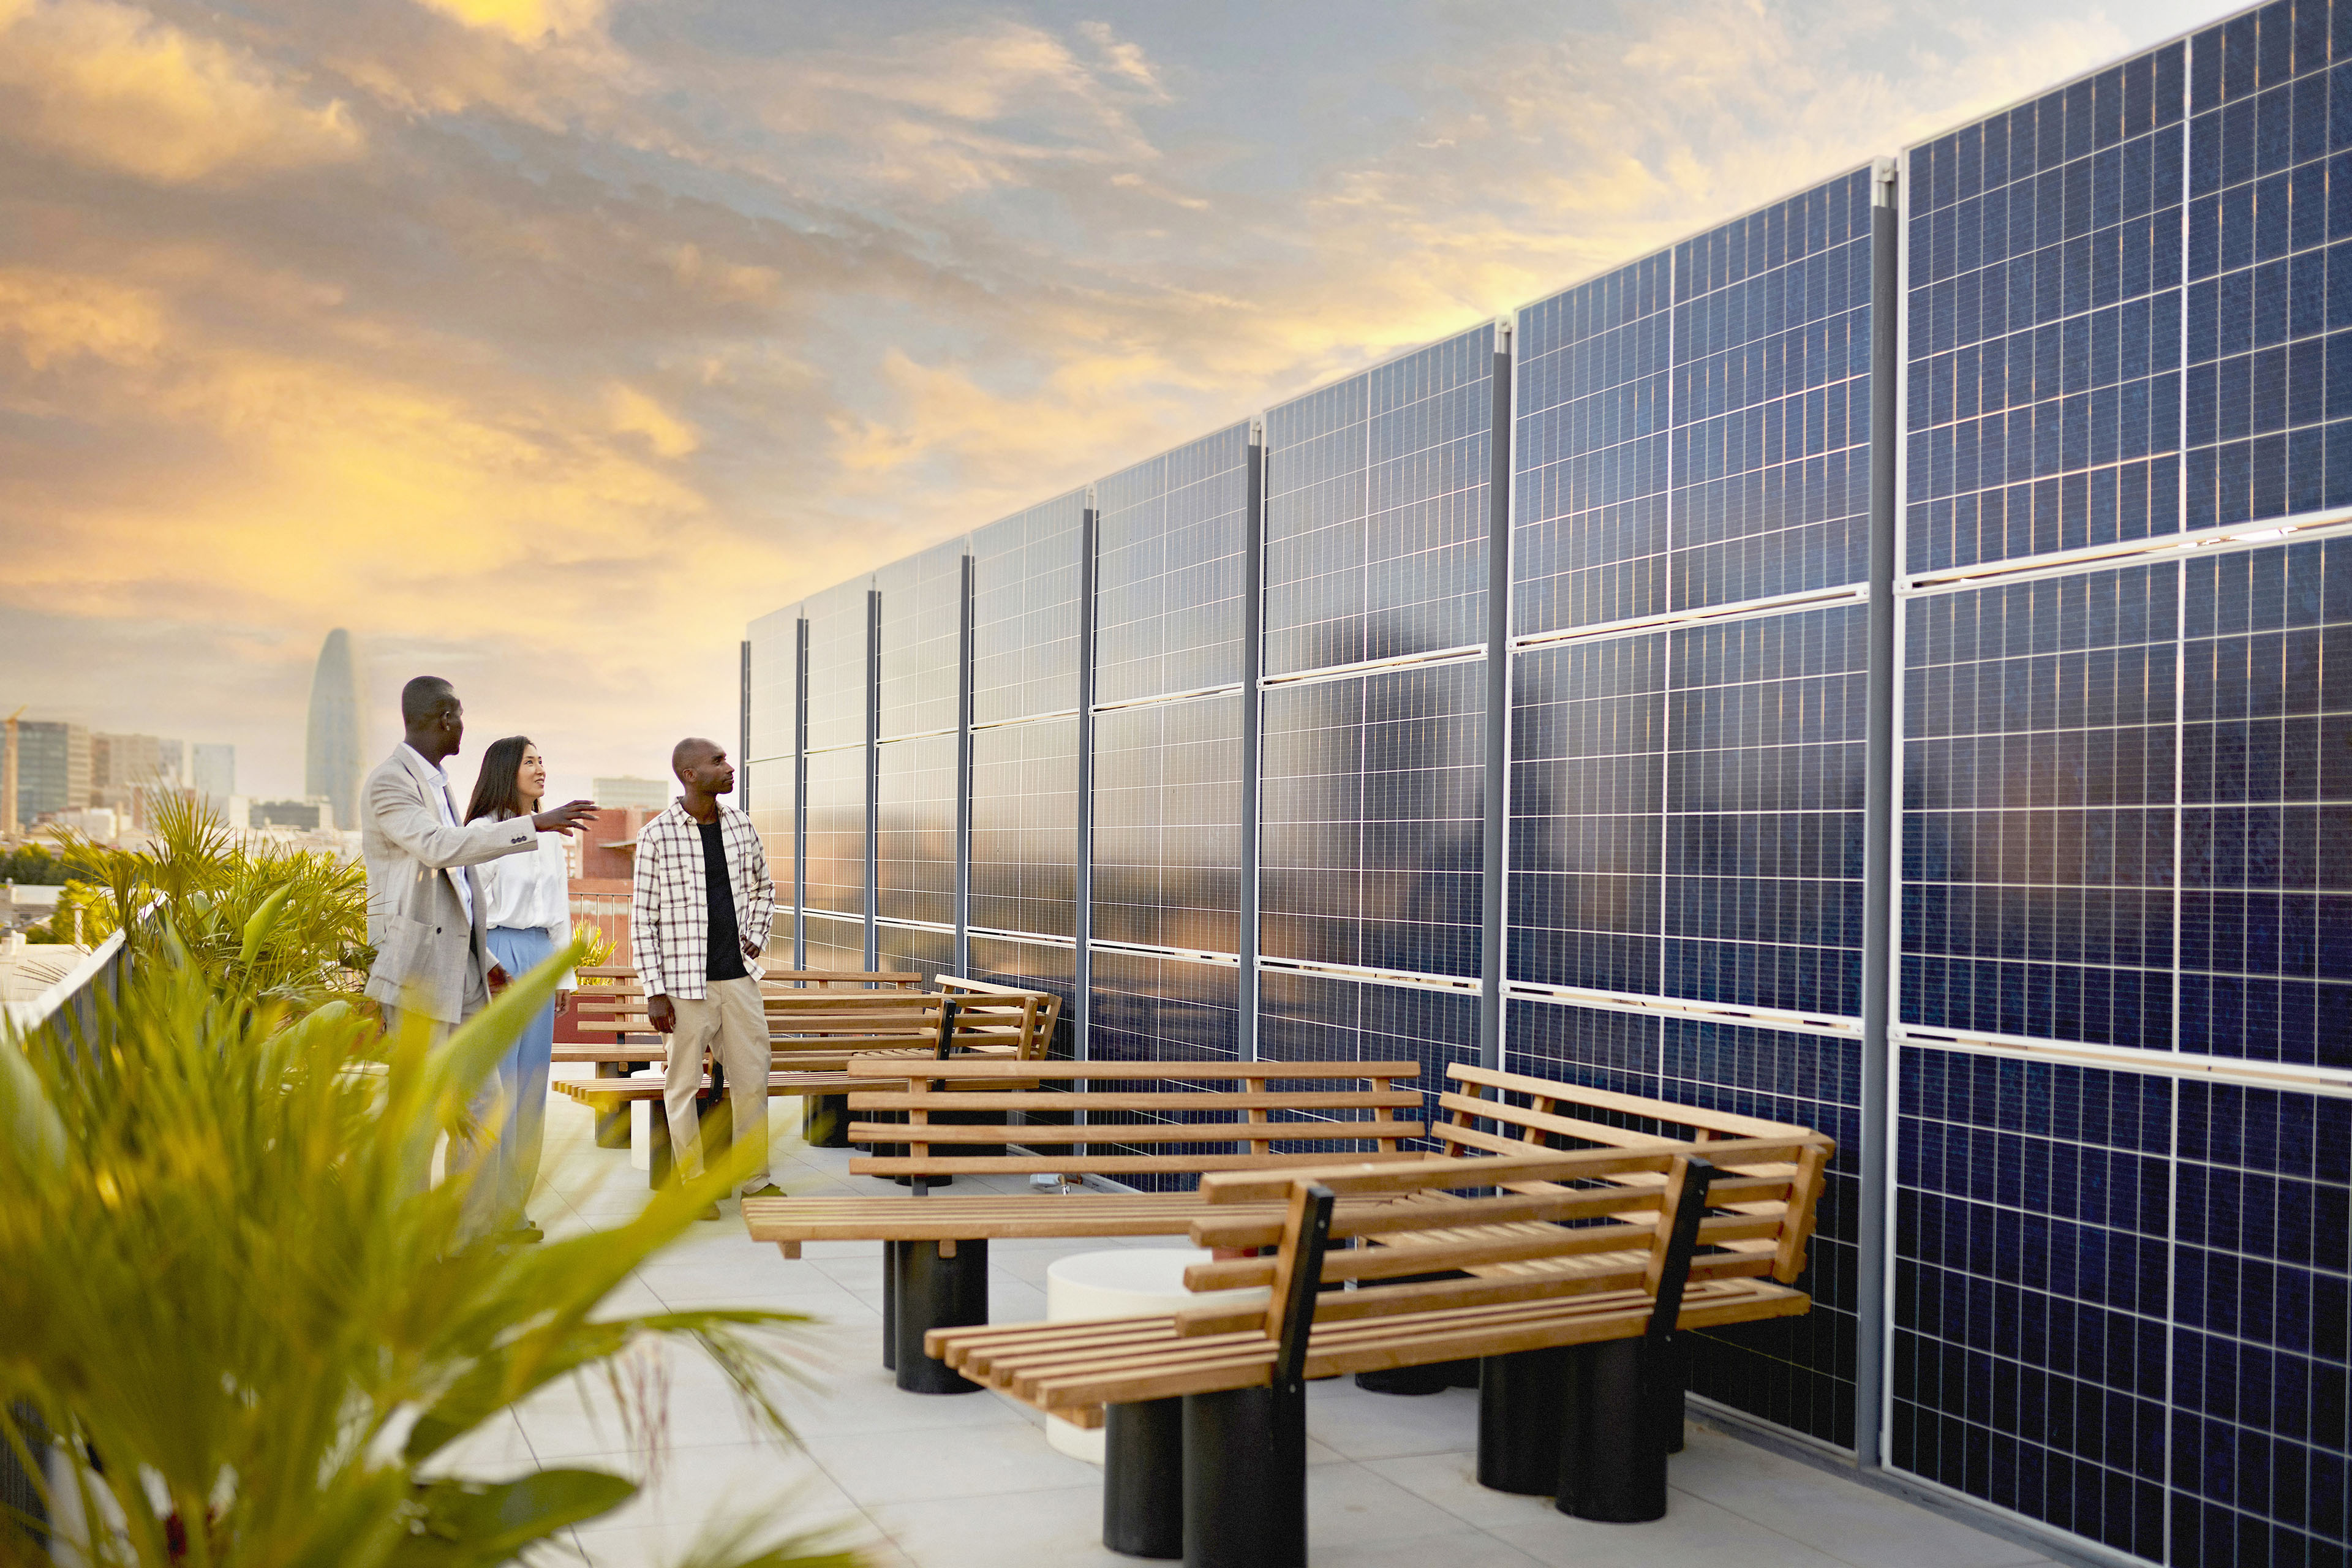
(2117, 1132)
(2122, 1292)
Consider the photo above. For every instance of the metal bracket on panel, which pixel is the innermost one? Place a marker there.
(2227, 536)
(1882, 175)
(2333, 1082)
(1682, 1007)
(1468, 985)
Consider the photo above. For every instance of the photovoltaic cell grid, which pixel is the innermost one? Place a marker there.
(2270, 218)
(1037, 966)
(1329, 1018)
(1024, 827)
(1688, 812)
(2123, 1303)
(1377, 511)
(2040, 754)
(2031, 1267)
(1770, 465)
(1693, 428)
(2044, 323)
(915, 830)
(1167, 824)
(775, 648)
(834, 943)
(2060, 735)
(837, 644)
(1798, 1372)
(772, 800)
(837, 833)
(1373, 806)
(1171, 539)
(928, 951)
(1027, 583)
(2262, 1326)
(1145, 1008)
(2266, 804)
(921, 635)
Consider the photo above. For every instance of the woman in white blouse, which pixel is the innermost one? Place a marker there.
(527, 905)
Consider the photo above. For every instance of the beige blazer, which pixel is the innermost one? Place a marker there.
(417, 921)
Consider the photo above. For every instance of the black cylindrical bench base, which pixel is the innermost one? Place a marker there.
(824, 1120)
(1245, 1478)
(935, 1292)
(1522, 1414)
(1143, 1479)
(1612, 1454)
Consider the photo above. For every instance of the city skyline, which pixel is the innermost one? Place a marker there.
(447, 324)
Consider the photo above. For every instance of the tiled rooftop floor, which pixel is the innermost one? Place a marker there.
(969, 1481)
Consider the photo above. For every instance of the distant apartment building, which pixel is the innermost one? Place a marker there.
(123, 769)
(650, 794)
(52, 768)
(213, 770)
(317, 814)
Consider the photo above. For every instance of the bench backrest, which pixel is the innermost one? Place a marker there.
(1560, 1224)
(1040, 1011)
(1226, 1115)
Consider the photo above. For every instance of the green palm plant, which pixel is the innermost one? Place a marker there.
(255, 1327)
(212, 888)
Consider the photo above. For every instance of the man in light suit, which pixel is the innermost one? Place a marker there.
(425, 905)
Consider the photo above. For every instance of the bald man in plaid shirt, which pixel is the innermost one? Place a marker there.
(699, 921)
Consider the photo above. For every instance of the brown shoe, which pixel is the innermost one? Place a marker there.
(769, 1191)
(709, 1211)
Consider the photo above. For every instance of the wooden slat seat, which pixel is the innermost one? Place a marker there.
(1006, 1122)
(1619, 1268)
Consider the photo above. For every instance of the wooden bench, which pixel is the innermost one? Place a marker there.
(1566, 1274)
(607, 990)
(1006, 1124)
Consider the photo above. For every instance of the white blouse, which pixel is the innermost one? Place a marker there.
(534, 890)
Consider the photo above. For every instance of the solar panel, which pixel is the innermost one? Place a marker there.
(775, 653)
(1167, 824)
(1024, 827)
(834, 943)
(1375, 510)
(2269, 404)
(1148, 1008)
(1305, 1018)
(1798, 1372)
(2044, 338)
(920, 661)
(1688, 812)
(837, 650)
(1693, 429)
(837, 832)
(928, 951)
(2029, 1362)
(2039, 762)
(915, 830)
(1026, 588)
(1371, 847)
(1171, 539)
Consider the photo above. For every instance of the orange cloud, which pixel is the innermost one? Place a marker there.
(111, 86)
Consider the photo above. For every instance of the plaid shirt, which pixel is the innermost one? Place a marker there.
(669, 912)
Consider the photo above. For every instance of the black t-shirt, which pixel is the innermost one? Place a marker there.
(726, 941)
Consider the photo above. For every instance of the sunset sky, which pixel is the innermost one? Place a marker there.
(544, 342)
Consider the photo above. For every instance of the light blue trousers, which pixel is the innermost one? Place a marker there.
(515, 1097)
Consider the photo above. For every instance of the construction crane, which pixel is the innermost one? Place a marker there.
(8, 822)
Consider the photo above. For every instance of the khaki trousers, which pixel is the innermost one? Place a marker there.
(732, 1024)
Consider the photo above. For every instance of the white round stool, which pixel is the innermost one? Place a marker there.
(1126, 1282)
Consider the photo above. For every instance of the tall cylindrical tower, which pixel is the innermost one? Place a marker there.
(330, 754)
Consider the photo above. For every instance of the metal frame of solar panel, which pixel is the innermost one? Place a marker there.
(2122, 1299)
